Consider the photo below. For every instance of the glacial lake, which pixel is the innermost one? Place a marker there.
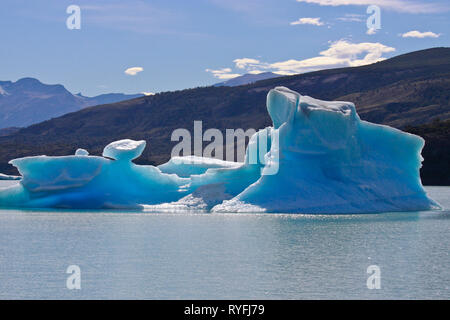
(134, 255)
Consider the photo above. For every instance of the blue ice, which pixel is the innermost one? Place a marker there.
(322, 158)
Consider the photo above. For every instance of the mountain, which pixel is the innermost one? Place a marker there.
(107, 98)
(28, 101)
(8, 131)
(247, 79)
(407, 92)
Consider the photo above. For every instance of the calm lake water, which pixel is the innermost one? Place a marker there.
(131, 255)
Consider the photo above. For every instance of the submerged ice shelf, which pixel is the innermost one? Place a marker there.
(321, 159)
(7, 177)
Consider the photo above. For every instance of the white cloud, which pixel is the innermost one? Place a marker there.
(244, 63)
(340, 54)
(418, 34)
(255, 71)
(134, 71)
(313, 21)
(148, 93)
(371, 31)
(348, 52)
(418, 6)
(223, 74)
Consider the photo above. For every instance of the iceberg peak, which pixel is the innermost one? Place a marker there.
(125, 150)
(81, 152)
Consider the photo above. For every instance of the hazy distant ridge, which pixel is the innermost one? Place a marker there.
(28, 101)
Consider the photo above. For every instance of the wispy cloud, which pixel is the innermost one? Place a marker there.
(223, 74)
(396, 5)
(136, 16)
(255, 71)
(243, 63)
(248, 6)
(133, 71)
(253, 66)
(340, 54)
(259, 12)
(350, 17)
(313, 21)
(418, 34)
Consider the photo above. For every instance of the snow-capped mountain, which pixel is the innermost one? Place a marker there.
(247, 79)
(28, 101)
(3, 92)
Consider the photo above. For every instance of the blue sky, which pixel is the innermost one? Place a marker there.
(185, 44)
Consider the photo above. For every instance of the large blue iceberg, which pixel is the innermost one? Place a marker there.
(321, 158)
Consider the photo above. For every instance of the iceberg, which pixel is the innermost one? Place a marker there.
(321, 158)
(8, 177)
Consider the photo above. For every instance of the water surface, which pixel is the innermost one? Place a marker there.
(133, 255)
